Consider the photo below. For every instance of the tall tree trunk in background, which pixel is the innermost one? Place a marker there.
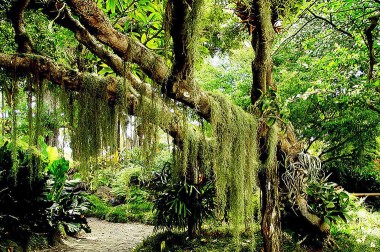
(262, 40)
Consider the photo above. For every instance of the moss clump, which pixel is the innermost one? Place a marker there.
(93, 118)
(236, 162)
(227, 149)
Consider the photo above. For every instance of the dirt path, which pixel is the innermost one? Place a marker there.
(106, 236)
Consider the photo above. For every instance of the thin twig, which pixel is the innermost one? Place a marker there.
(332, 24)
(154, 35)
(124, 12)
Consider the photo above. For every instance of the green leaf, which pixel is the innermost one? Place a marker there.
(271, 121)
(52, 154)
(330, 205)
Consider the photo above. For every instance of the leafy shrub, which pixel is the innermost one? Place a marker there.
(137, 208)
(121, 183)
(328, 201)
(181, 204)
(69, 200)
(33, 202)
(22, 198)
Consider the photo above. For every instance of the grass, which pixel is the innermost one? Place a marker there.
(178, 241)
(136, 209)
(360, 234)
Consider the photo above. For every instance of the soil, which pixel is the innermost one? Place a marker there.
(106, 236)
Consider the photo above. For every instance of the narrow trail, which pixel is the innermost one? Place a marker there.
(106, 236)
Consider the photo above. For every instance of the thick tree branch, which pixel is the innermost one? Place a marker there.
(314, 220)
(47, 69)
(374, 21)
(126, 48)
(76, 81)
(16, 15)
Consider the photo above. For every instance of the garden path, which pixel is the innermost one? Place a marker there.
(106, 236)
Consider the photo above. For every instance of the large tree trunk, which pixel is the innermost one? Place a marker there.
(262, 41)
(269, 184)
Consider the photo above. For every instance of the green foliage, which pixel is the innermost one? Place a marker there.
(321, 73)
(137, 208)
(327, 201)
(33, 203)
(58, 170)
(229, 74)
(360, 233)
(177, 204)
(212, 240)
(69, 201)
(222, 30)
(23, 203)
(121, 184)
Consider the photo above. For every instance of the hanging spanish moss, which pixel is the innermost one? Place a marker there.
(188, 158)
(227, 150)
(235, 161)
(14, 92)
(92, 119)
(40, 86)
(148, 121)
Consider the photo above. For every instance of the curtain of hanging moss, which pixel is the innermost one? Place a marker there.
(147, 121)
(93, 119)
(229, 151)
(94, 123)
(236, 160)
(14, 103)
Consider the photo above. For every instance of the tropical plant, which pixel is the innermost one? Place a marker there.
(183, 205)
(68, 197)
(33, 202)
(23, 210)
(329, 201)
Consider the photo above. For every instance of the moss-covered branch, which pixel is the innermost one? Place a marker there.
(77, 81)
(96, 24)
(127, 48)
(45, 68)
(318, 224)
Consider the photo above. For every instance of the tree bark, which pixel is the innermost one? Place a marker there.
(318, 224)
(262, 41)
(269, 185)
(374, 20)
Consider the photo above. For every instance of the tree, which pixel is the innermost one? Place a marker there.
(325, 68)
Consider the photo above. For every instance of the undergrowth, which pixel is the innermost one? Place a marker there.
(213, 241)
(136, 209)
